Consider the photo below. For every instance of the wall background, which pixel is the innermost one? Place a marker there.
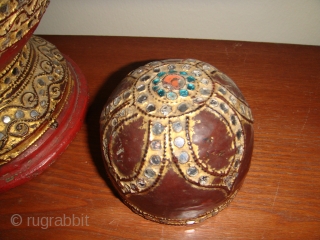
(284, 21)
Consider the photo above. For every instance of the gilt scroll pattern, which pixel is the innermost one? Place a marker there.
(33, 90)
(17, 18)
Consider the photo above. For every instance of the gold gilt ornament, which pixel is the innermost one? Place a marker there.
(17, 18)
(34, 88)
(43, 95)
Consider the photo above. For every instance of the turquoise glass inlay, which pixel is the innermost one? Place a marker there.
(156, 81)
(172, 96)
(190, 79)
(190, 86)
(160, 74)
(183, 93)
(183, 73)
(161, 92)
(155, 88)
(172, 71)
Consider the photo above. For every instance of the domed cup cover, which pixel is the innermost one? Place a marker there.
(177, 140)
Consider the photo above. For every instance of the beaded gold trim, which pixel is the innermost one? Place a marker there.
(190, 221)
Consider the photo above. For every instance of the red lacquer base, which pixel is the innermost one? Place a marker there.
(42, 154)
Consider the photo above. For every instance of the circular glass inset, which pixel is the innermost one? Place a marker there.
(179, 142)
(155, 160)
(34, 113)
(157, 128)
(183, 157)
(172, 96)
(6, 119)
(177, 126)
(141, 183)
(149, 173)
(192, 171)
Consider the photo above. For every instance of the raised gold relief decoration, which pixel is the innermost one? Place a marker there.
(17, 18)
(33, 91)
